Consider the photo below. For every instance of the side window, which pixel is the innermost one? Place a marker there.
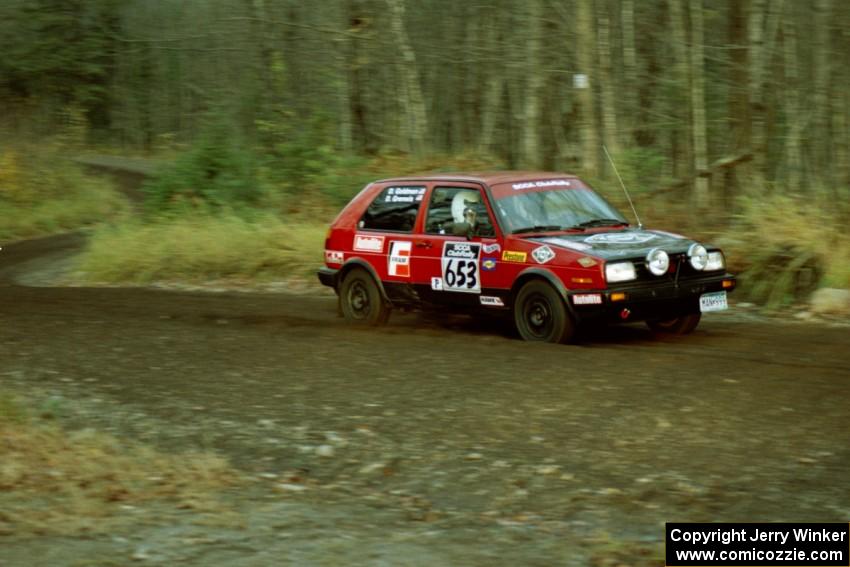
(449, 205)
(394, 209)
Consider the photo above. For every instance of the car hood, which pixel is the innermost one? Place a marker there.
(618, 244)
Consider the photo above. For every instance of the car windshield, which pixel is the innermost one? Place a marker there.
(558, 209)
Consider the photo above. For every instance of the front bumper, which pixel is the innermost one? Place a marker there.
(647, 300)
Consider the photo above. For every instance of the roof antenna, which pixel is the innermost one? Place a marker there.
(623, 185)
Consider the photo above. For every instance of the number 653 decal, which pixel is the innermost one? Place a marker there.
(460, 267)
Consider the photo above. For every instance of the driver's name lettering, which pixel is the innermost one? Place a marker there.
(547, 183)
(408, 190)
(404, 194)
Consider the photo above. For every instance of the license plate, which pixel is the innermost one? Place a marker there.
(713, 301)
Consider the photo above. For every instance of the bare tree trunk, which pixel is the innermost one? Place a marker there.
(763, 26)
(793, 99)
(822, 141)
(700, 139)
(739, 102)
(842, 140)
(739, 106)
(630, 86)
(607, 87)
(586, 33)
(412, 103)
(681, 140)
(469, 110)
(361, 105)
(494, 90)
(530, 147)
(756, 96)
(841, 105)
(493, 35)
(343, 57)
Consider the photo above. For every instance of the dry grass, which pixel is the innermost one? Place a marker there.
(43, 192)
(786, 246)
(193, 246)
(224, 247)
(55, 481)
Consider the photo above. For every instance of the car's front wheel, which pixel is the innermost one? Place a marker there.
(678, 326)
(540, 314)
(360, 299)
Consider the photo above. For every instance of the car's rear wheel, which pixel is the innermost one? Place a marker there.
(540, 314)
(360, 299)
(678, 326)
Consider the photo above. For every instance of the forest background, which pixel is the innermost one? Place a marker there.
(727, 119)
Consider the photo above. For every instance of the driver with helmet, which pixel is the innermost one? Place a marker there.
(463, 207)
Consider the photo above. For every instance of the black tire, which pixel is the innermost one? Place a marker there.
(361, 301)
(540, 314)
(682, 325)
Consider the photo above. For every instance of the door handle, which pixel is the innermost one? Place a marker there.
(423, 244)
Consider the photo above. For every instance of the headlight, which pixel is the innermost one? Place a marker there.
(698, 256)
(657, 261)
(620, 272)
(715, 261)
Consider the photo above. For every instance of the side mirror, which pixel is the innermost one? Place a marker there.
(462, 229)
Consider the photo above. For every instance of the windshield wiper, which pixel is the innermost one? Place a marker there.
(600, 222)
(537, 228)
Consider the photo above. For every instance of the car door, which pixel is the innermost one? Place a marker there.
(385, 236)
(451, 268)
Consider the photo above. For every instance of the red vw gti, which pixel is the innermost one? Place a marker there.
(542, 248)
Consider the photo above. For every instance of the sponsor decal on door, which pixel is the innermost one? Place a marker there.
(399, 258)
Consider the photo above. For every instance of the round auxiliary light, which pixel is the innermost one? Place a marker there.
(657, 261)
(698, 256)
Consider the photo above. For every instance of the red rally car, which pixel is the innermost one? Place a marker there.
(541, 247)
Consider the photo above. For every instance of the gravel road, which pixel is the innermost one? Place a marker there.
(429, 443)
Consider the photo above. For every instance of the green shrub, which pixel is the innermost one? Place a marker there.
(217, 172)
(642, 169)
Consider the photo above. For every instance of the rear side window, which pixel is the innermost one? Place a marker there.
(394, 209)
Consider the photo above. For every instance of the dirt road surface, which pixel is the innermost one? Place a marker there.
(428, 443)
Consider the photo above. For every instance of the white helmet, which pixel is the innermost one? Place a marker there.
(462, 201)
